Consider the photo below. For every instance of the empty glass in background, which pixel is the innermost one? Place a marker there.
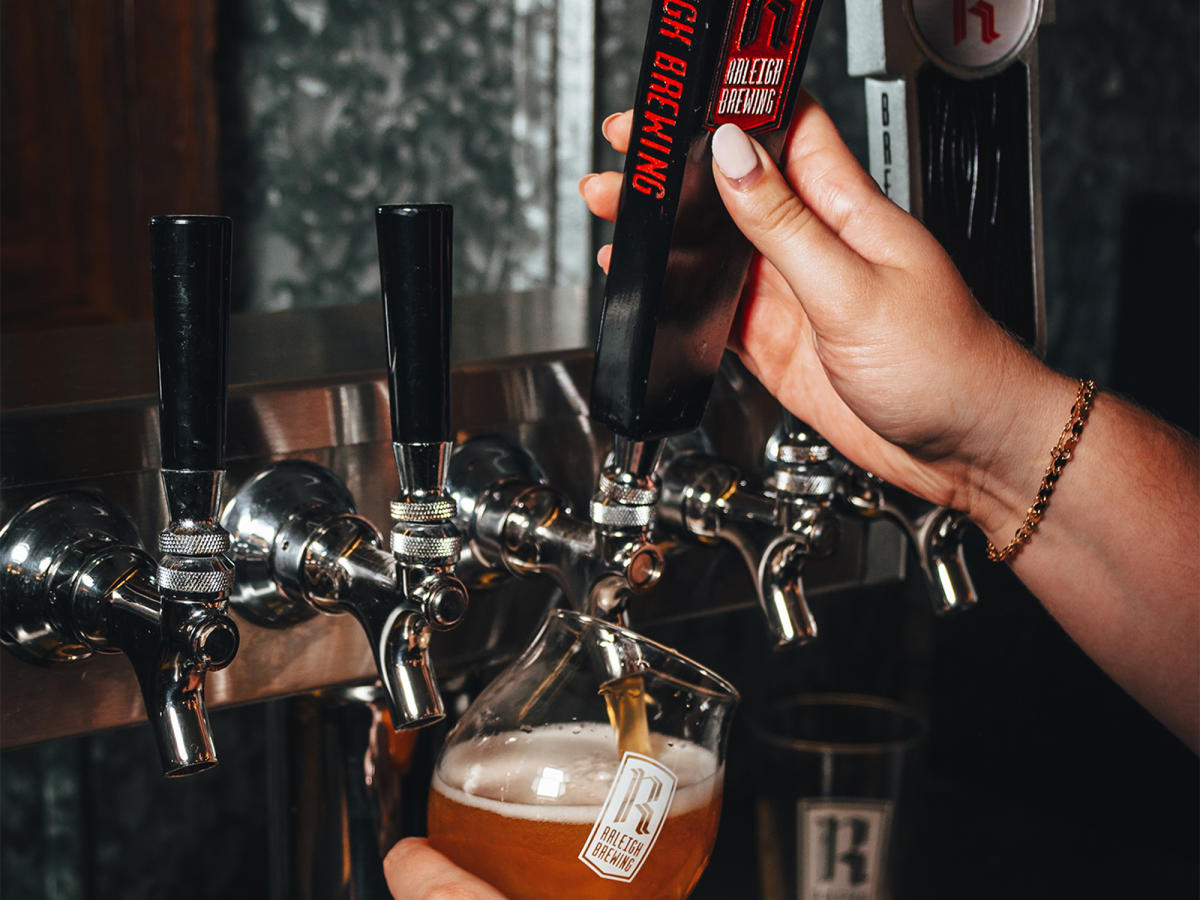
(534, 792)
(836, 795)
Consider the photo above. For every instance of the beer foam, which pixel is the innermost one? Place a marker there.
(563, 772)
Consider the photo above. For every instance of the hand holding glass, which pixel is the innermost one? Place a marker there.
(590, 768)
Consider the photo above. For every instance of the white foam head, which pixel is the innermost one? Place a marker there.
(563, 772)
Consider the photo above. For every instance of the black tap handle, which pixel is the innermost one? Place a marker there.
(191, 258)
(977, 189)
(415, 243)
(678, 261)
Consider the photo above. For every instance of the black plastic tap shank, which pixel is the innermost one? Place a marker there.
(191, 258)
(415, 244)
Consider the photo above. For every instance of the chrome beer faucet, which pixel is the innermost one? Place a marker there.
(791, 516)
(935, 534)
(801, 463)
(299, 545)
(516, 523)
(776, 525)
(76, 579)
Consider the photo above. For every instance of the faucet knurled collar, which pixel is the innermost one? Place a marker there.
(802, 483)
(803, 453)
(440, 510)
(620, 516)
(426, 548)
(187, 581)
(629, 493)
(194, 543)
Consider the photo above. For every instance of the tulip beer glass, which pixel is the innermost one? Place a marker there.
(590, 768)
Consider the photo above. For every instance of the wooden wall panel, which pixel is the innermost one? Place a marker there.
(107, 116)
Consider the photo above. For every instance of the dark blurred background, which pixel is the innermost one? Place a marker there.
(297, 116)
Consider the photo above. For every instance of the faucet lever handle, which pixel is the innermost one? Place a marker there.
(191, 259)
(415, 245)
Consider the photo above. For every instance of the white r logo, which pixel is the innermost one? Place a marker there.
(646, 808)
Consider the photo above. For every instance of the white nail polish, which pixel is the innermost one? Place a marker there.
(733, 152)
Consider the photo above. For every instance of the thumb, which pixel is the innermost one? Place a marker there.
(821, 269)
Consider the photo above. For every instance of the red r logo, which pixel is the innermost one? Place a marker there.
(781, 10)
(987, 21)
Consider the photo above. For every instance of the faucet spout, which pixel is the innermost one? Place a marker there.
(173, 690)
(302, 550)
(709, 499)
(409, 682)
(950, 583)
(346, 570)
(516, 523)
(170, 643)
(781, 594)
(363, 580)
(935, 537)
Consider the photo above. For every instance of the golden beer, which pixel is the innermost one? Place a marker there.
(517, 809)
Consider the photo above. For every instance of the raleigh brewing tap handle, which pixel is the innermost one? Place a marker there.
(414, 266)
(190, 259)
(678, 261)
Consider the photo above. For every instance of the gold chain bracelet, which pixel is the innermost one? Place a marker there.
(1059, 457)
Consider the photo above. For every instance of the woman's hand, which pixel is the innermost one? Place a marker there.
(415, 871)
(857, 321)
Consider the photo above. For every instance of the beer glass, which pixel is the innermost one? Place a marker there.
(836, 795)
(590, 768)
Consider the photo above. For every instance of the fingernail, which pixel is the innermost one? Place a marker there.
(582, 186)
(604, 125)
(735, 155)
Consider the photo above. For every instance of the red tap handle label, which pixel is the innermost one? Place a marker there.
(764, 52)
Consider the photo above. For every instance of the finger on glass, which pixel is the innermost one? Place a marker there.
(415, 871)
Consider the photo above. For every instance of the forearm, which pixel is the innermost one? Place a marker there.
(1116, 559)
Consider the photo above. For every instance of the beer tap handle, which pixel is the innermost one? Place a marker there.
(678, 261)
(190, 260)
(415, 245)
(415, 272)
(953, 137)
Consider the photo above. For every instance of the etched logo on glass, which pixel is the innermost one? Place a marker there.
(843, 847)
(633, 814)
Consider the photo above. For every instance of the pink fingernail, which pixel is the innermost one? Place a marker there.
(734, 154)
(608, 121)
(582, 186)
